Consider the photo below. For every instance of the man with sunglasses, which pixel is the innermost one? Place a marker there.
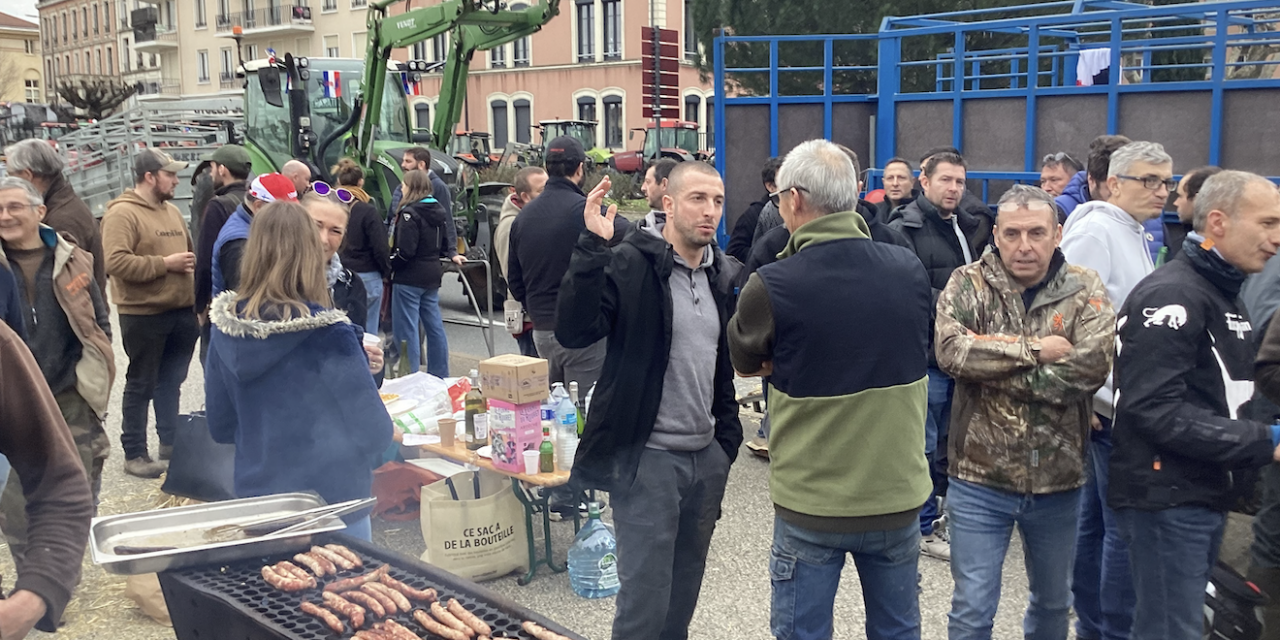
(1107, 236)
(229, 247)
(1056, 171)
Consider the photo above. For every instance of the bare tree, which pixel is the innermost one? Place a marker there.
(1255, 53)
(10, 79)
(97, 97)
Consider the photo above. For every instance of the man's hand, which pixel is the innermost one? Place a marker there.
(1095, 422)
(19, 613)
(459, 260)
(596, 223)
(180, 262)
(1054, 348)
(766, 370)
(1274, 456)
(375, 363)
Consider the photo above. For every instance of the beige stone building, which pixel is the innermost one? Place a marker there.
(79, 38)
(585, 64)
(20, 77)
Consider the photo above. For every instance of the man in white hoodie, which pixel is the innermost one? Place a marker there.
(1108, 237)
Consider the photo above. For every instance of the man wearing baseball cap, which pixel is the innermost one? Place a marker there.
(229, 167)
(150, 260)
(542, 240)
(229, 246)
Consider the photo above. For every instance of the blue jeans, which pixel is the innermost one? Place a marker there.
(1171, 553)
(373, 291)
(981, 521)
(1101, 586)
(937, 423)
(408, 305)
(805, 568)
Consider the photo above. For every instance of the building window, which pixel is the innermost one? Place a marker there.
(329, 5)
(359, 43)
(95, 20)
(693, 108)
(75, 26)
(498, 57)
(29, 46)
(253, 52)
(612, 121)
(154, 62)
(111, 63)
(690, 36)
(711, 122)
(224, 13)
(587, 108)
(499, 108)
(520, 52)
(97, 66)
(438, 48)
(228, 66)
(32, 90)
(200, 17)
(612, 29)
(418, 51)
(54, 35)
(124, 56)
(88, 62)
(331, 47)
(85, 14)
(586, 30)
(422, 115)
(524, 120)
(359, 4)
(106, 17)
(202, 66)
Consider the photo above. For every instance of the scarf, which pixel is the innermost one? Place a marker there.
(333, 271)
(1210, 263)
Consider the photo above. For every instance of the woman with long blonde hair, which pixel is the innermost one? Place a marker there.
(287, 379)
(416, 250)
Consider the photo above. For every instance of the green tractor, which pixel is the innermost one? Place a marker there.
(583, 130)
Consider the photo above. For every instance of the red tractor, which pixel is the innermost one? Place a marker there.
(675, 139)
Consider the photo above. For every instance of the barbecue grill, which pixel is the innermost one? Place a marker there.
(233, 602)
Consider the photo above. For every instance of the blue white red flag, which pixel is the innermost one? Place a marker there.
(331, 82)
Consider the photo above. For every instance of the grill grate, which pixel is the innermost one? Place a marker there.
(240, 585)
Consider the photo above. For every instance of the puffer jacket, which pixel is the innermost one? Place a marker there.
(1075, 193)
(1018, 425)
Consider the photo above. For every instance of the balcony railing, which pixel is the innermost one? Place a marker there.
(159, 34)
(228, 80)
(284, 16)
(163, 87)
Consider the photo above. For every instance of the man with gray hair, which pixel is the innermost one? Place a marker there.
(37, 162)
(1108, 237)
(847, 390)
(1028, 339)
(1184, 375)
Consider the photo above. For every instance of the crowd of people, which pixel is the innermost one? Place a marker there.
(938, 371)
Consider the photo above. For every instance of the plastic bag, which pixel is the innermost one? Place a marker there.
(429, 393)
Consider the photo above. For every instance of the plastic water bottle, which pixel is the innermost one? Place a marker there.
(593, 559)
(566, 423)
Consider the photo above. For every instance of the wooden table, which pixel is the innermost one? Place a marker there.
(459, 453)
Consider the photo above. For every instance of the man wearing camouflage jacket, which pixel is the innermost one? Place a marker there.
(1028, 339)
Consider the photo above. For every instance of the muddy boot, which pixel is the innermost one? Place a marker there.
(1268, 580)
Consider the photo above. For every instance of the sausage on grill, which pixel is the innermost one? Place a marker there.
(398, 631)
(423, 595)
(402, 602)
(284, 582)
(468, 618)
(348, 584)
(540, 632)
(336, 559)
(310, 563)
(433, 627)
(450, 620)
(383, 599)
(367, 601)
(348, 554)
(325, 616)
(346, 608)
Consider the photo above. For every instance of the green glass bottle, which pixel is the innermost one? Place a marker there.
(477, 419)
(547, 454)
(404, 359)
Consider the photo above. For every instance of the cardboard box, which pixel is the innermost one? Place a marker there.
(514, 429)
(514, 378)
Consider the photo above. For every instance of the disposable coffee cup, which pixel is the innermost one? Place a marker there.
(531, 459)
(372, 340)
(448, 431)
(513, 313)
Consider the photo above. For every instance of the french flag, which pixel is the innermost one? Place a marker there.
(411, 88)
(331, 83)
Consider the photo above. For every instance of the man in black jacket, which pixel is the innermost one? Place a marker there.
(945, 236)
(229, 168)
(1183, 376)
(744, 230)
(663, 428)
(542, 240)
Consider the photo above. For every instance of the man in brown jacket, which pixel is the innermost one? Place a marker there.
(1028, 339)
(70, 341)
(37, 162)
(59, 506)
(150, 258)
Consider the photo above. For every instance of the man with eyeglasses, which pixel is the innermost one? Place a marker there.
(945, 237)
(1056, 171)
(229, 247)
(1108, 237)
(1184, 427)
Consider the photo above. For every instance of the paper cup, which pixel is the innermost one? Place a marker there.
(448, 431)
(532, 458)
(513, 315)
(372, 340)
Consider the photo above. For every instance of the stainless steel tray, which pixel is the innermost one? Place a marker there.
(184, 527)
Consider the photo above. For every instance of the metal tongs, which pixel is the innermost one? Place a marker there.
(292, 522)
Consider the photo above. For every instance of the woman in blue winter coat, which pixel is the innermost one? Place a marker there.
(416, 249)
(287, 379)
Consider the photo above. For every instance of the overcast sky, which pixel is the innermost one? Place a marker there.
(21, 8)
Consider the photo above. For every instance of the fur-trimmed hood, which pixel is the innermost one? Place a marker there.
(254, 347)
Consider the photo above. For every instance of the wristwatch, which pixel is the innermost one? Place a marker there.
(1036, 347)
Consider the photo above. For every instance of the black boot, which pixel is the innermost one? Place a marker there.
(1268, 580)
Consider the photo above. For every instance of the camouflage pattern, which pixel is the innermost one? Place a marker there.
(91, 443)
(1017, 425)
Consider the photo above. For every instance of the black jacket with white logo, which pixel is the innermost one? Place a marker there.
(1183, 380)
